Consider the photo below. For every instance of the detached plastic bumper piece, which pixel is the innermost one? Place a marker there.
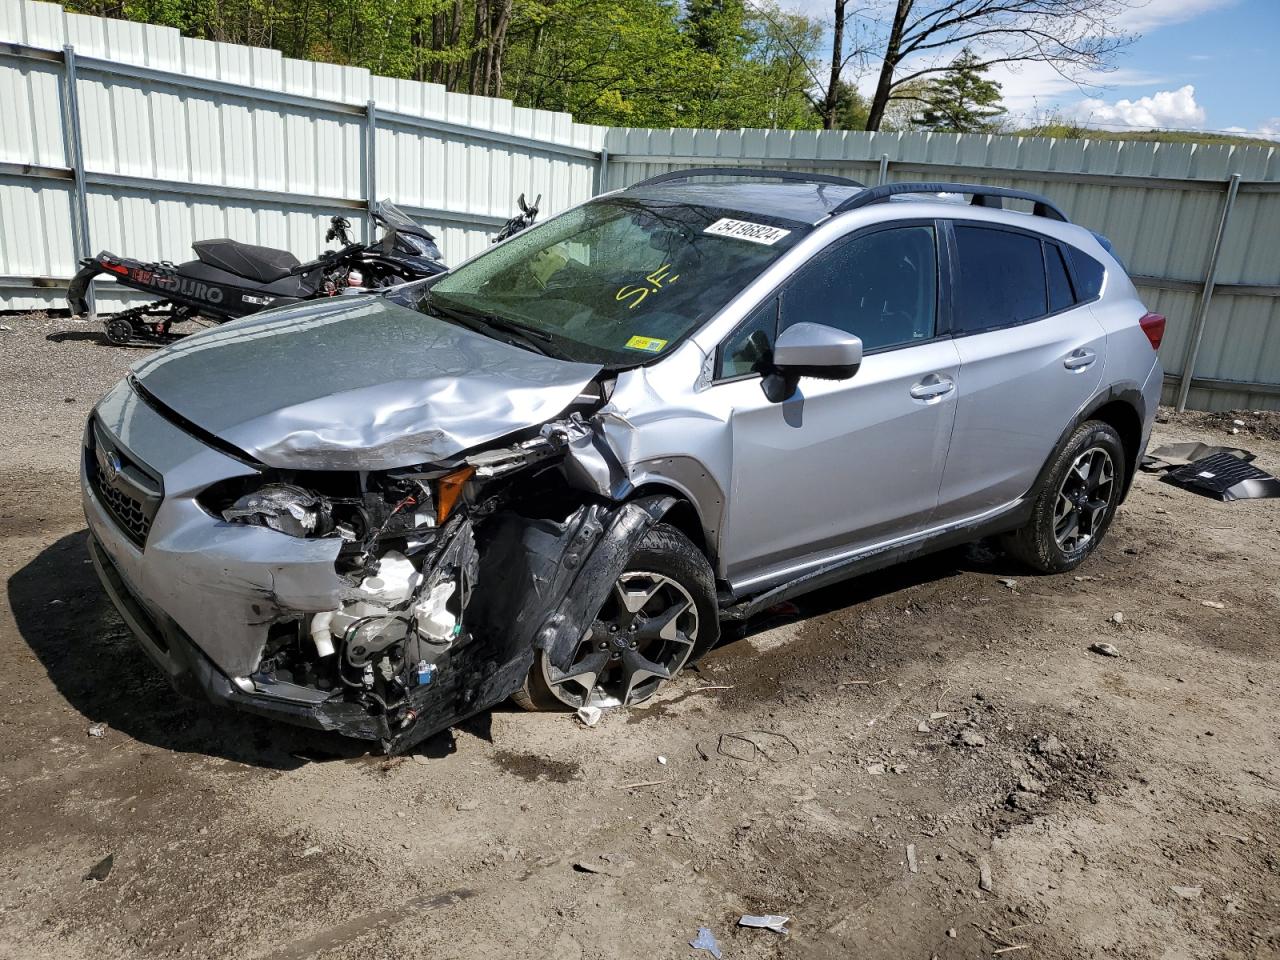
(1225, 477)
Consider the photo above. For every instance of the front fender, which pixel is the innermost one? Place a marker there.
(540, 583)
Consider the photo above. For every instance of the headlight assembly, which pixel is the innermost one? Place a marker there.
(285, 508)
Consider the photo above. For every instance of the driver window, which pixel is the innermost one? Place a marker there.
(881, 286)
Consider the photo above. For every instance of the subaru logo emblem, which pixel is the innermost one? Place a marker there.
(110, 464)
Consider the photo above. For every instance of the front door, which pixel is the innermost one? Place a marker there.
(841, 465)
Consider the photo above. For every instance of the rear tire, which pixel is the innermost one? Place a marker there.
(680, 586)
(1075, 503)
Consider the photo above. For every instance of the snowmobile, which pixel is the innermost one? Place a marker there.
(230, 279)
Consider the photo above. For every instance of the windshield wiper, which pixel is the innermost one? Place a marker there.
(480, 321)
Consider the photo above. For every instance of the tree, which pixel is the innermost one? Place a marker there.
(848, 111)
(904, 105)
(961, 100)
(835, 90)
(713, 63)
(1071, 35)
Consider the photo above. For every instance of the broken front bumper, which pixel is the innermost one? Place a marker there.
(201, 594)
(195, 675)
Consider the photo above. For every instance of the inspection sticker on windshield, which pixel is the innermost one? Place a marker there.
(745, 230)
(648, 344)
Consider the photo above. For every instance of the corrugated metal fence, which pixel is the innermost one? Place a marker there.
(131, 138)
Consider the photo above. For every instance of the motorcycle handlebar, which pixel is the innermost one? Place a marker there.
(329, 257)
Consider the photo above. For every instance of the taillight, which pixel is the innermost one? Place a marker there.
(1153, 326)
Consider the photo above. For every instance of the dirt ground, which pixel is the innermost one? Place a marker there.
(868, 765)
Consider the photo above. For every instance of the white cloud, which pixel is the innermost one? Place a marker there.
(1143, 17)
(1270, 129)
(1028, 88)
(1166, 108)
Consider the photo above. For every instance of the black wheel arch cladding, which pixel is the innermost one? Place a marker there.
(540, 583)
(1123, 408)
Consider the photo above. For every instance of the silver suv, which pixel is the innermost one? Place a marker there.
(554, 471)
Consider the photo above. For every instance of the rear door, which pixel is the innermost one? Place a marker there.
(1031, 355)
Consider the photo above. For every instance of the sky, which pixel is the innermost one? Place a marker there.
(1196, 64)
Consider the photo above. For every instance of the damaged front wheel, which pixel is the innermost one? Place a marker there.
(660, 616)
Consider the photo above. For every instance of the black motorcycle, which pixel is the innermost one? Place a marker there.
(229, 279)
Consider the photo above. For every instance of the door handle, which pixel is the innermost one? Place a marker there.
(1079, 359)
(932, 387)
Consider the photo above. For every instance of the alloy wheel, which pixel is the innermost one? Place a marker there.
(1084, 500)
(642, 636)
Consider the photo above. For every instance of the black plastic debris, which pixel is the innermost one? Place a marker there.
(1225, 477)
(1180, 454)
(102, 869)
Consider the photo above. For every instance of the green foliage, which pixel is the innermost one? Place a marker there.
(716, 63)
(960, 100)
(852, 107)
(1065, 130)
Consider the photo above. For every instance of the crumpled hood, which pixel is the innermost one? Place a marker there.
(358, 383)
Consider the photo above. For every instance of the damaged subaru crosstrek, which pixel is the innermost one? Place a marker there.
(551, 473)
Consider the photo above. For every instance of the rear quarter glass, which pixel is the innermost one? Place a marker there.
(1089, 274)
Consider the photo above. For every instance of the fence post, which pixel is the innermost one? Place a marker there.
(602, 172)
(1206, 295)
(79, 201)
(884, 169)
(370, 166)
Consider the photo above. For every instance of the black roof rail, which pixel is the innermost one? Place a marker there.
(983, 196)
(748, 172)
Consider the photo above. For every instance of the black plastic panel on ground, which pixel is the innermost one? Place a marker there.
(1225, 477)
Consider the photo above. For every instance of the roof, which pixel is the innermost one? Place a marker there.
(806, 203)
(807, 200)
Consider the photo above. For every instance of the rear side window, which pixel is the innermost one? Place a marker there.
(1001, 279)
(1060, 295)
(1089, 273)
(880, 286)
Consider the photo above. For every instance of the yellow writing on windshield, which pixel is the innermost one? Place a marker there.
(662, 277)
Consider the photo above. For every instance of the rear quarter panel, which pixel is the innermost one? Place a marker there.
(1132, 365)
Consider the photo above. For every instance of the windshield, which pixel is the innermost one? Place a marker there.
(617, 281)
(394, 215)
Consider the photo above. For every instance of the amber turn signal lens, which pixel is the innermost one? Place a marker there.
(448, 489)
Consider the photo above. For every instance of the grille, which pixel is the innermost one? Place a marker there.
(125, 511)
(128, 491)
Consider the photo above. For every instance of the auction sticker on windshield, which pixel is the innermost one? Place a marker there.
(648, 344)
(745, 230)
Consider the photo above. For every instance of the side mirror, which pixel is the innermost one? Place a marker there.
(811, 350)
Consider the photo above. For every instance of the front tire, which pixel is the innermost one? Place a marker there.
(120, 332)
(660, 617)
(1076, 501)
